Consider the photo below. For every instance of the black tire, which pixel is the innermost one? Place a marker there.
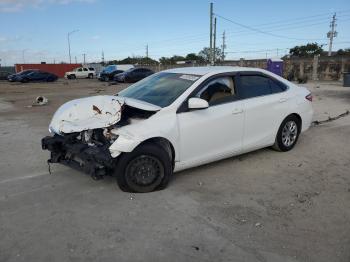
(91, 76)
(282, 138)
(131, 172)
(25, 80)
(72, 77)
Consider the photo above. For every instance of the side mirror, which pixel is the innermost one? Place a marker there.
(197, 103)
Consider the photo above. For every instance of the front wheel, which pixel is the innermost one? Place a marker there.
(146, 169)
(288, 134)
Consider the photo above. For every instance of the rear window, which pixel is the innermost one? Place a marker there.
(253, 86)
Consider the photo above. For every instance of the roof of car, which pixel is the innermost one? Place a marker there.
(203, 70)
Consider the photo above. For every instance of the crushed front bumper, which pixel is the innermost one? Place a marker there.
(93, 160)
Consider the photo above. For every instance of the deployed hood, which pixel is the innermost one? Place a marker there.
(93, 112)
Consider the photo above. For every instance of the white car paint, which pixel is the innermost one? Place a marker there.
(80, 72)
(198, 136)
(92, 112)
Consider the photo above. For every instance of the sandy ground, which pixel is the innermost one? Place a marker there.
(261, 206)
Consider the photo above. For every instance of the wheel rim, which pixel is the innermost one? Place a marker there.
(144, 173)
(289, 133)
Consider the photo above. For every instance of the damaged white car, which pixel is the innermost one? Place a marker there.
(177, 119)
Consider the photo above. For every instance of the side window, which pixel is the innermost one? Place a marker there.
(253, 86)
(80, 70)
(85, 69)
(218, 90)
(276, 87)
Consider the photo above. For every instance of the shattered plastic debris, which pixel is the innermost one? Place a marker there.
(39, 101)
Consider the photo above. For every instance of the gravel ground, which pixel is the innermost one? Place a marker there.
(261, 206)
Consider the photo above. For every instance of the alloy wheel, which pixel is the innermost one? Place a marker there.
(289, 133)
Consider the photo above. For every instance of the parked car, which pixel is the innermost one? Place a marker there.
(108, 73)
(133, 75)
(37, 76)
(4, 75)
(15, 77)
(81, 72)
(178, 119)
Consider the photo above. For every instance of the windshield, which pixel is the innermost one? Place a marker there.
(25, 72)
(109, 69)
(160, 89)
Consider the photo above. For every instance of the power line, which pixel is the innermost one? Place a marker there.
(258, 30)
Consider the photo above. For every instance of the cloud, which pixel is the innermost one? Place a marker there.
(11, 6)
(5, 40)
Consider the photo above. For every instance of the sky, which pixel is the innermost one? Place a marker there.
(36, 30)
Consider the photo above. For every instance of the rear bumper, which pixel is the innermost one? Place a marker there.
(307, 119)
(93, 160)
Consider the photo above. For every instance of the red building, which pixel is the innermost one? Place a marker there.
(57, 69)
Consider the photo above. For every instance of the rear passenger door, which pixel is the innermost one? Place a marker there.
(79, 73)
(85, 73)
(265, 106)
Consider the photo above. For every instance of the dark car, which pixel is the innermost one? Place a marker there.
(133, 75)
(14, 77)
(37, 76)
(4, 75)
(108, 74)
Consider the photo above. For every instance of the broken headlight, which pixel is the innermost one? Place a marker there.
(109, 135)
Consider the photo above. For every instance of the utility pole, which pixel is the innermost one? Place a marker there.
(84, 58)
(223, 46)
(24, 61)
(211, 56)
(68, 37)
(147, 51)
(214, 53)
(76, 61)
(103, 58)
(331, 34)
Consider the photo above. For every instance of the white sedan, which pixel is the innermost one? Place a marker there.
(178, 119)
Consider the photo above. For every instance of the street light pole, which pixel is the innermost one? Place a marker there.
(68, 36)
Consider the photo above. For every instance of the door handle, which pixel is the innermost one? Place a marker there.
(237, 111)
(281, 100)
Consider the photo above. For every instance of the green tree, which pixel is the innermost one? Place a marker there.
(194, 57)
(307, 50)
(205, 54)
(345, 51)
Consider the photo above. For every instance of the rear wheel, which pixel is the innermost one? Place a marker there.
(288, 134)
(143, 170)
(91, 76)
(72, 77)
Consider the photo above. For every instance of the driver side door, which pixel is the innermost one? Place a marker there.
(215, 132)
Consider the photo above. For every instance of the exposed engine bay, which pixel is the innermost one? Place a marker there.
(87, 148)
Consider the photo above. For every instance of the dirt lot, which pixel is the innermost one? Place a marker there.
(262, 206)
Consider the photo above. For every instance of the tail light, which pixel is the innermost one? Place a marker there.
(309, 97)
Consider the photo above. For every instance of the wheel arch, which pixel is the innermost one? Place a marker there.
(284, 118)
(165, 144)
(299, 119)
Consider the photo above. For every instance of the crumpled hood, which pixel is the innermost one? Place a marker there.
(92, 112)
